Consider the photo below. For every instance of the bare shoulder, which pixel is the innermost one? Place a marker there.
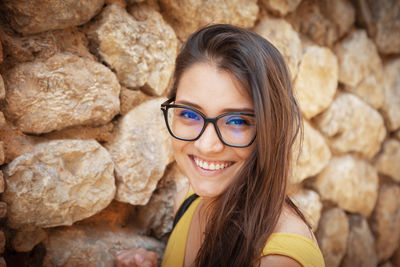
(179, 197)
(290, 222)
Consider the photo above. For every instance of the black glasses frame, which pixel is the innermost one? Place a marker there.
(167, 104)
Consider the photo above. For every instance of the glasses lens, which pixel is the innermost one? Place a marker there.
(237, 129)
(185, 123)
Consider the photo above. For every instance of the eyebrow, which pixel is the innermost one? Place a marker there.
(187, 103)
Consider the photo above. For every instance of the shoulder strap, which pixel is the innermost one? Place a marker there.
(182, 209)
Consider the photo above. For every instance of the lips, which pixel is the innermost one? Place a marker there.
(211, 165)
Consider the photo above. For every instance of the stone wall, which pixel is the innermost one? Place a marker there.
(87, 168)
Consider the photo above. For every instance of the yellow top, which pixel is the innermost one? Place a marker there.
(295, 246)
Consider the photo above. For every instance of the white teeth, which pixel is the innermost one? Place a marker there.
(210, 166)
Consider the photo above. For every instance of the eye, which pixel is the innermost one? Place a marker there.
(189, 114)
(237, 121)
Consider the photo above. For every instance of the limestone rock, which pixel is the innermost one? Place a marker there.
(360, 68)
(1, 52)
(396, 257)
(357, 177)
(381, 18)
(2, 241)
(25, 241)
(2, 120)
(59, 183)
(2, 89)
(324, 21)
(116, 215)
(1, 153)
(352, 126)
(140, 48)
(282, 35)
(360, 245)
(310, 205)
(388, 162)
(314, 155)
(1, 182)
(92, 245)
(316, 80)
(386, 221)
(280, 7)
(387, 264)
(15, 142)
(63, 91)
(102, 133)
(29, 17)
(332, 234)
(44, 45)
(391, 105)
(187, 16)
(141, 149)
(3, 209)
(2, 262)
(130, 99)
(157, 216)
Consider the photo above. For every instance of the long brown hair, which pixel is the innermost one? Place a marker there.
(245, 215)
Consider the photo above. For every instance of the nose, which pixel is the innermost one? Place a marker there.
(209, 141)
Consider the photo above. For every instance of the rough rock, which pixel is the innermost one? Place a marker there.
(352, 126)
(2, 120)
(157, 216)
(140, 46)
(1, 52)
(360, 245)
(387, 264)
(2, 262)
(396, 257)
(323, 21)
(359, 179)
(63, 91)
(29, 17)
(386, 221)
(282, 35)
(92, 245)
(391, 105)
(316, 80)
(44, 45)
(2, 89)
(314, 155)
(3, 209)
(187, 16)
(141, 149)
(130, 99)
(15, 142)
(102, 133)
(381, 18)
(25, 241)
(388, 162)
(116, 215)
(2, 241)
(1, 153)
(310, 205)
(280, 7)
(1, 182)
(332, 234)
(59, 183)
(360, 68)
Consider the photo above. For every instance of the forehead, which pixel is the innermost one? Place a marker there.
(212, 89)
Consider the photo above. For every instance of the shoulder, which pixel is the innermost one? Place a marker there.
(180, 196)
(289, 222)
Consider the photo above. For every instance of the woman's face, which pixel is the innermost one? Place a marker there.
(212, 92)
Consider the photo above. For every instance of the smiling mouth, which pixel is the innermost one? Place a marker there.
(211, 165)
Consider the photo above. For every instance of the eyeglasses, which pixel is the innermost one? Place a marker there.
(235, 129)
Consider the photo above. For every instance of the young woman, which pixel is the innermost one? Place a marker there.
(233, 119)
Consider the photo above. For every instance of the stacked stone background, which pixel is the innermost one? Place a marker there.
(86, 158)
